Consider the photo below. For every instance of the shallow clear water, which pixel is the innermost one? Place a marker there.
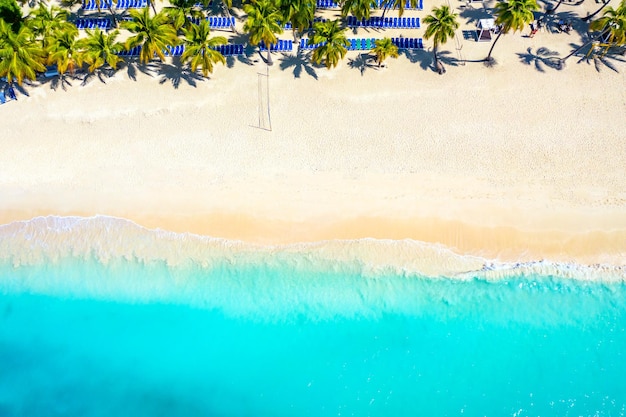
(81, 339)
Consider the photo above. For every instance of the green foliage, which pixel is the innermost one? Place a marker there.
(43, 21)
(11, 13)
(399, 4)
(383, 49)
(199, 48)
(263, 22)
(100, 48)
(180, 11)
(361, 9)
(512, 14)
(335, 42)
(64, 50)
(20, 55)
(613, 22)
(441, 25)
(154, 34)
(515, 14)
(299, 13)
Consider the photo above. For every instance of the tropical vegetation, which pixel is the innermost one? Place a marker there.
(200, 48)
(512, 14)
(333, 43)
(152, 33)
(46, 35)
(442, 24)
(383, 49)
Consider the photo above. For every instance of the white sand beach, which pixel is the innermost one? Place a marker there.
(519, 162)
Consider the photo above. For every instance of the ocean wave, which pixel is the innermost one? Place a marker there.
(107, 239)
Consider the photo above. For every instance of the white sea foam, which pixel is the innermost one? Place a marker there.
(104, 239)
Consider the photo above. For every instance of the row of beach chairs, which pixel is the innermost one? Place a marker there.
(407, 5)
(119, 4)
(226, 50)
(280, 46)
(330, 4)
(90, 23)
(361, 44)
(387, 22)
(367, 44)
(216, 21)
(408, 43)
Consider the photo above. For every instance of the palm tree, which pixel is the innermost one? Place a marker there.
(333, 40)
(20, 55)
(100, 48)
(154, 34)
(43, 21)
(398, 4)
(361, 9)
(299, 13)
(512, 14)
(592, 15)
(108, 3)
(612, 25)
(612, 22)
(200, 48)
(64, 50)
(384, 49)
(181, 11)
(11, 13)
(441, 25)
(263, 23)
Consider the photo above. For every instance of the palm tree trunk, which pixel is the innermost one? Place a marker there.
(435, 57)
(562, 61)
(385, 10)
(492, 45)
(552, 11)
(591, 16)
(113, 14)
(269, 55)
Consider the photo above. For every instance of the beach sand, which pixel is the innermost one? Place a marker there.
(513, 163)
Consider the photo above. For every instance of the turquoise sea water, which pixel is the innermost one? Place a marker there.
(146, 339)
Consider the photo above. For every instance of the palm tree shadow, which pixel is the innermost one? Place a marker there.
(133, 65)
(542, 58)
(61, 81)
(473, 16)
(444, 56)
(242, 39)
(578, 25)
(101, 73)
(420, 56)
(362, 62)
(176, 74)
(606, 61)
(300, 62)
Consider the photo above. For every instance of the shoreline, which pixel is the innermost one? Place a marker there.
(111, 239)
(511, 164)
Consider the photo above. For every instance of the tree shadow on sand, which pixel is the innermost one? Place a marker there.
(473, 16)
(133, 66)
(102, 74)
(425, 58)
(609, 60)
(176, 73)
(300, 62)
(542, 58)
(362, 62)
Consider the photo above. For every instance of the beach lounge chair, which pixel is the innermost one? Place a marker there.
(51, 71)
